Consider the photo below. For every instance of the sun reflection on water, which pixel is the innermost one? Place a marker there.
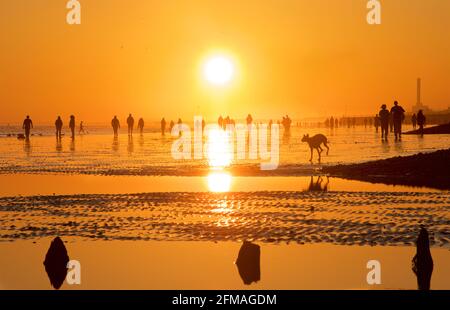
(219, 182)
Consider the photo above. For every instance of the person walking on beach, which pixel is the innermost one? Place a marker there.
(130, 123)
(398, 115)
(72, 126)
(384, 122)
(27, 125)
(171, 125)
(141, 125)
(163, 126)
(58, 126)
(421, 121)
(376, 121)
(391, 123)
(81, 131)
(115, 125)
(414, 120)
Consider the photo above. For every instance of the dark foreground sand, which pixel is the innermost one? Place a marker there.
(435, 130)
(430, 170)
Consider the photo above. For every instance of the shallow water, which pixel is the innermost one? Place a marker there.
(208, 265)
(137, 218)
(150, 154)
(338, 217)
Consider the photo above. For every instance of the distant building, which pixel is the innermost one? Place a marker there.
(419, 105)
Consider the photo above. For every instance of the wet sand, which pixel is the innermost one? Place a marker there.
(208, 265)
(429, 169)
(338, 217)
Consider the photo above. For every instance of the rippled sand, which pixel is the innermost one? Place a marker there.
(350, 218)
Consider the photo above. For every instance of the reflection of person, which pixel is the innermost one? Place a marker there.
(248, 262)
(398, 114)
(27, 125)
(58, 126)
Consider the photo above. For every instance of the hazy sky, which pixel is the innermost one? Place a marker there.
(301, 57)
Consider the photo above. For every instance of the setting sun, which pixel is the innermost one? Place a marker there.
(218, 70)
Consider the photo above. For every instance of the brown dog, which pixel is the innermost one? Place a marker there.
(315, 142)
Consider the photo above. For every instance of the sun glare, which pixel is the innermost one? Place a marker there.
(218, 70)
(219, 182)
(219, 152)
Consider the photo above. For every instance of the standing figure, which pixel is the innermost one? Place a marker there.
(58, 126)
(376, 121)
(163, 126)
(384, 122)
(180, 122)
(81, 131)
(414, 120)
(130, 123)
(398, 115)
(421, 121)
(141, 125)
(115, 125)
(27, 125)
(171, 125)
(250, 120)
(72, 126)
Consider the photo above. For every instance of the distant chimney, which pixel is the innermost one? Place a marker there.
(419, 102)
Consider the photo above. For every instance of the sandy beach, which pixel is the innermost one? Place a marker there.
(131, 204)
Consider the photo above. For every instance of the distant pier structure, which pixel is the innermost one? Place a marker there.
(419, 105)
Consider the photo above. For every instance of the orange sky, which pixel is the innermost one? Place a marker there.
(304, 58)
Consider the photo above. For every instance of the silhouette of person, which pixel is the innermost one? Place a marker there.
(203, 124)
(179, 126)
(421, 121)
(163, 127)
(398, 115)
(248, 262)
(141, 125)
(220, 121)
(249, 119)
(391, 123)
(422, 263)
(414, 120)
(376, 121)
(55, 263)
(171, 125)
(115, 125)
(72, 126)
(58, 126)
(27, 125)
(130, 123)
(81, 131)
(384, 116)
